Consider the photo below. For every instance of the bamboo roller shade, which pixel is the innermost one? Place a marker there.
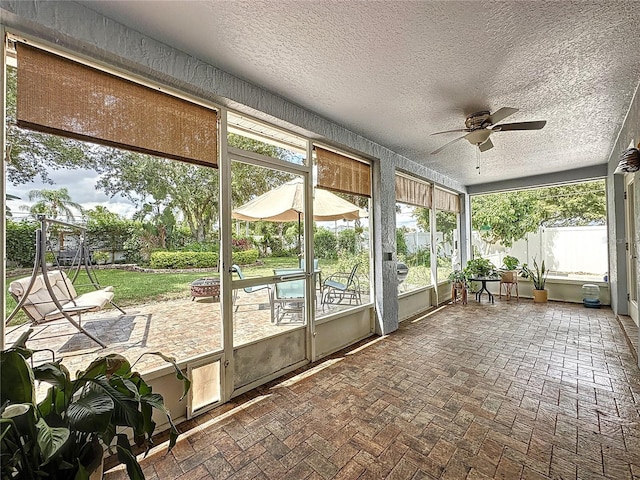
(60, 96)
(446, 201)
(342, 174)
(413, 192)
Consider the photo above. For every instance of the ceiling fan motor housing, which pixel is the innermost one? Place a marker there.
(478, 120)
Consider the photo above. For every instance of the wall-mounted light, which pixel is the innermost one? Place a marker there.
(629, 161)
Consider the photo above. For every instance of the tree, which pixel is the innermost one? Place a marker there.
(107, 230)
(31, 154)
(578, 204)
(53, 203)
(507, 217)
(446, 222)
(193, 190)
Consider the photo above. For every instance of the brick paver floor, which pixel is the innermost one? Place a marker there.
(506, 391)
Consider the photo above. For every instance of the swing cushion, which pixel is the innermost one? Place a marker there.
(40, 307)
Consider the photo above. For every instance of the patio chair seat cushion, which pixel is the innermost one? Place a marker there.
(87, 302)
(335, 284)
(40, 305)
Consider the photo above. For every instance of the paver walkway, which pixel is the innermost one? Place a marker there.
(511, 390)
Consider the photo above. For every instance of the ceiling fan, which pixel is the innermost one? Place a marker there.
(481, 125)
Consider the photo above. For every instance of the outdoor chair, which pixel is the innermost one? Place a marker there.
(255, 288)
(341, 287)
(39, 302)
(39, 305)
(287, 298)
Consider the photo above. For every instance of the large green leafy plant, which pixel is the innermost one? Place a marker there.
(510, 262)
(480, 267)
(64, 435)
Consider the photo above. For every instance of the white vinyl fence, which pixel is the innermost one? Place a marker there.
(566, 251)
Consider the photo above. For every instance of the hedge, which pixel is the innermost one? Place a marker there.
(178, 260)
(21, 243)
(175, 260)
(245, 257)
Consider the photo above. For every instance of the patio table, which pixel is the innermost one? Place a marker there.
(484, 281)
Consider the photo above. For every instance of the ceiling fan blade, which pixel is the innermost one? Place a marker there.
(459, 130)
(505, 127)
(501, 114)
(488, 145)
(446, 145)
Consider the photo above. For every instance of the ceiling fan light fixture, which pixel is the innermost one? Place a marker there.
(478, 137)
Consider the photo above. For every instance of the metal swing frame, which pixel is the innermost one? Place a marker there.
(40, 266)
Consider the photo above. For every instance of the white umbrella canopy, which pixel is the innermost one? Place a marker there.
(285, 204)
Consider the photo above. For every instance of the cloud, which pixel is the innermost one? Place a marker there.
(80, 183)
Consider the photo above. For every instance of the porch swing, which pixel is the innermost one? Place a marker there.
(49, 295)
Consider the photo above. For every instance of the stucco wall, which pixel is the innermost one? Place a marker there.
(630, 132)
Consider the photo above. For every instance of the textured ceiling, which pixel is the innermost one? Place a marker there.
(395, 72)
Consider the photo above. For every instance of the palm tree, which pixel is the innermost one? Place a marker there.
(7, 210)
(53, 203)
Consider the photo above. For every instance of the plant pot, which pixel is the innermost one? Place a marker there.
(539, 296)
(509, 276)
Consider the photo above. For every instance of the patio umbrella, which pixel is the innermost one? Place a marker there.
(285, 204)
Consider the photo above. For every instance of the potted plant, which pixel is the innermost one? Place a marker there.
(64, 436)
(538, 276)
(510, 262)
(509, 274)
(458, 279)
(480, 267)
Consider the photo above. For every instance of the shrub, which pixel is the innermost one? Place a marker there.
(283, 252)
(422, 256)
(346, 262)
(132, 250)
(100, 257)
(245, 257)
(241, 244)
(324, 244)
(21, 244)
(401, 243)
(347, 240)
(176, 260)
(200, 247)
